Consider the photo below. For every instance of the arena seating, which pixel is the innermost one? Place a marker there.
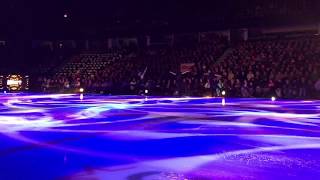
(285, 67)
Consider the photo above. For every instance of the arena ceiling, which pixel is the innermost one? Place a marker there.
(67, 18)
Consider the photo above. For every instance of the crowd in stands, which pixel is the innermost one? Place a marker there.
(88, 70)
(286, 68)
(131, 71)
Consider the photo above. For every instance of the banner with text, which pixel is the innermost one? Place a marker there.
(186, 67)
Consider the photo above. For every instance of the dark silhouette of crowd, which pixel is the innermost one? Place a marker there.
(285, 68)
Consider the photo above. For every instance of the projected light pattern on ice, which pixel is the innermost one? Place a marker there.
(63, 136)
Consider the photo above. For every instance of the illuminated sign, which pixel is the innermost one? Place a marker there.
(1, 82)
(26, 84)
(14, 82)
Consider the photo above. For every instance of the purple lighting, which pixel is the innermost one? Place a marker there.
(122, 137)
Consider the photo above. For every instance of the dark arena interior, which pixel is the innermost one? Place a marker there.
(159, 89)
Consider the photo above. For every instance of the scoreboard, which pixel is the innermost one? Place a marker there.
(14, 82)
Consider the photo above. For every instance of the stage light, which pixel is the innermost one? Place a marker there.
(81, 90)
(223, 102)
(81, 97)
(65, 15)
(146, 91)
(223, 93)
(273, 98)
(5, 92)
